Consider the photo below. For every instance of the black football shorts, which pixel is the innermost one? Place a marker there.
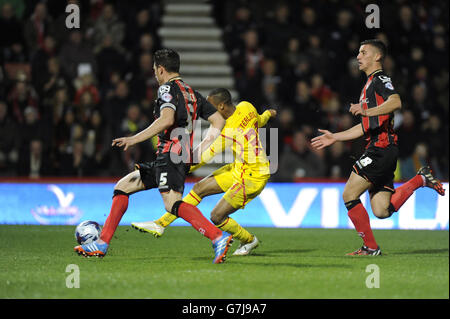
(377, 165)
(163, 174)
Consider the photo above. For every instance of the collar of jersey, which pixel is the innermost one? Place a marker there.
(174, 78)
(231, 117)
(376, 71)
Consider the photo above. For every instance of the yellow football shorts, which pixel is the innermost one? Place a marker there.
(239, 189)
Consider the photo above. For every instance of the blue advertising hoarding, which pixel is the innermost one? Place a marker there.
(308, 205)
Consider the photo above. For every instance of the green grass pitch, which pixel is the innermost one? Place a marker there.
(290, 264)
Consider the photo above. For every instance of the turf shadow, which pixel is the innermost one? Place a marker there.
(282, 252)
(202, 258)
(295, 265)
(270, 253)
(423, 251)
(234, 260)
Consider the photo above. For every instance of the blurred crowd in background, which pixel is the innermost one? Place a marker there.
(66, 93)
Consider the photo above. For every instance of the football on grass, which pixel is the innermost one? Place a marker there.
(87, 232)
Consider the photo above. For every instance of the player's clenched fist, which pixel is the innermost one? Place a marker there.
(273, 112)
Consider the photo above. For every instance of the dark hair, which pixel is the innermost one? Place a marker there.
(377, 44)
(169, 59)
(221, 95)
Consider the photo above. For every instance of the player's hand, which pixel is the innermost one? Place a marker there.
(194, 167)
(123, 141)
(356, 109)
(324, 140)
(273, 112)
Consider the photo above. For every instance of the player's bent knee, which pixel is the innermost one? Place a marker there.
(352, 204)
(119, 192)
(217, 219)
(198, 189)
(381, 213)
(121, 188)
(348, 196)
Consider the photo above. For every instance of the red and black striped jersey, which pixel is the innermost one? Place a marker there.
(378, 130)
(188, 105)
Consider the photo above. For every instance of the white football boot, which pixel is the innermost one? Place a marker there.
(245, 249)
(149, 227)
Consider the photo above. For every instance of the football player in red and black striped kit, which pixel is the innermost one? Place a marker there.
(374, 171)
(177, 107)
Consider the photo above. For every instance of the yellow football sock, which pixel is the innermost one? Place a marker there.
(239, 232)
(168, 218)
(192, 198)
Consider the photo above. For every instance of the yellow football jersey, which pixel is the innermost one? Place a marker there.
(241, 134)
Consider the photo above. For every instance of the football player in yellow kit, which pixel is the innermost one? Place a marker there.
(241, 181)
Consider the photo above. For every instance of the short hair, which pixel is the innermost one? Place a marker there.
(169, 59)
(221, 95)
(377, 44)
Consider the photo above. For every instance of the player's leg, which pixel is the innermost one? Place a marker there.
(220, 217)
(236, 197)
(206, 187)
(157, 227)
(173, 203)
(355, 186)
(170, 178)
(380, 202)
(424, 178)
(221, 240)
(249, 243)
(215, 183)
(128, 185)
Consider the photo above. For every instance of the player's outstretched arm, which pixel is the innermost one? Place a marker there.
(264, 118)
(328, 138)
(162, 123)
